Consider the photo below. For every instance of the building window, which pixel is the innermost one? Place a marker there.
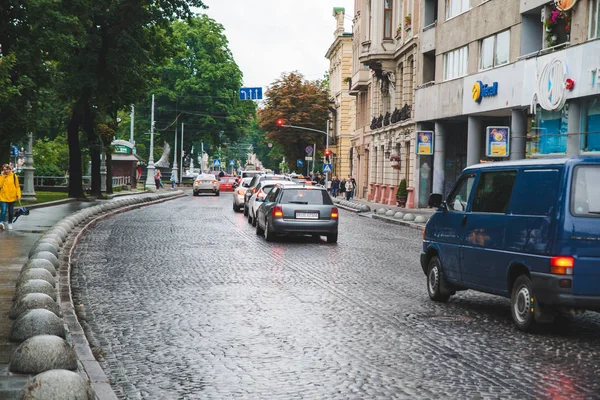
(594, 25)
(455, 7)
(549, 132)
(590, 121)
(387, 20)
(455, 63)
(494, 50)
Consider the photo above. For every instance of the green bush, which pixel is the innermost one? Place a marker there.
(402, 192)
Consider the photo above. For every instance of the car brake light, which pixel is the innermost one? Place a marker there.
(215, 182)
(260, 194)
(562, 265)
(334, 213)
(277, 212)
(253, 190)
(240, 192)
(197, 182)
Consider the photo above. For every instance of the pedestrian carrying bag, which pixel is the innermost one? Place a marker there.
(20, 211)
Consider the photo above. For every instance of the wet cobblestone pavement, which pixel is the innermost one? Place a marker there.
(184, 301)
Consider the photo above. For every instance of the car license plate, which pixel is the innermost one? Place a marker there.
(205, 181)
(307, 215)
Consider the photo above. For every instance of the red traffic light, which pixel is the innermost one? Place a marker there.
(280, 122)
(327, 152)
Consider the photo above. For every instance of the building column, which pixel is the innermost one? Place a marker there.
(518, 134)
(573, 127)
(474, 135)
(439, 158)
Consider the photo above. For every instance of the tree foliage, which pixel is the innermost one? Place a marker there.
(298, 102)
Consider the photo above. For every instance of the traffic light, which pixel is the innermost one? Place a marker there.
(327, 153)
(280, 122)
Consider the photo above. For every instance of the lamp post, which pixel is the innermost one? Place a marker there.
(326, 133)
(150, 169)
(28, 189)
(175, 166)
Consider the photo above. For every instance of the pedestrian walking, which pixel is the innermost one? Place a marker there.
(349, 188)
(335, 186)
(343, 188)
(173, 181)
(157, 178)
(10, 191)
(353, 187)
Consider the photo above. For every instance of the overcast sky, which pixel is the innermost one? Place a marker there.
(269, 37)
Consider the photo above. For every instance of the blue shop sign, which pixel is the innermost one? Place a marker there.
(480, 90)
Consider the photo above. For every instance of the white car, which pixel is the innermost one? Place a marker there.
(262, 189)
(238, 194)
(206, 183)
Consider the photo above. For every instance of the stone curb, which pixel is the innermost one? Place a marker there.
(76, 346)
(351, 206)
(70, 200)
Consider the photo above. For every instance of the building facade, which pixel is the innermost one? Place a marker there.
(491, 85)
(341, 104)
(385, 47)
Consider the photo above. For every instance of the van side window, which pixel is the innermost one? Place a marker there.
(535, 192)
(585, 197)
(457, 200)
(493, 191)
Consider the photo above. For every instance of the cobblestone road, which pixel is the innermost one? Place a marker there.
(185, 301)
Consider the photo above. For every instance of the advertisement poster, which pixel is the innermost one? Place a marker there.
(497, 138)
(425, 143)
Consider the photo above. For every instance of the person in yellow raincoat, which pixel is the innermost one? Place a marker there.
(10, 191)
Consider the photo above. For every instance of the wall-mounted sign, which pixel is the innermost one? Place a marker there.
(424, 143)
(120, 149)
(496, 141)
(480, 90)
(564, 5)
(550, 93)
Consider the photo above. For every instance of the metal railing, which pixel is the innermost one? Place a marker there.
(63, 181)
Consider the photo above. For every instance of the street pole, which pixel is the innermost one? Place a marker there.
(131, 139)
(202, 157)
(314, 154)
(181, 166)
(175, 167)
(326, 147)
(150, 168)
(28, 189)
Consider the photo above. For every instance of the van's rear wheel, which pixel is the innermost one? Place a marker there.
(434, 280)
(523, 304)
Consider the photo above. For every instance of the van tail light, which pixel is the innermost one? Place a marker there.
(424, 230)
(277, 212)
(562, 265)
(240, 192)
(334, 213)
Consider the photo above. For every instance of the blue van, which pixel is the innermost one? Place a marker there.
(528, 230)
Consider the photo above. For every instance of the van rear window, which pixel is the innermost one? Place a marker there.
(585, 197)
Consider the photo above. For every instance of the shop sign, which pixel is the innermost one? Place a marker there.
(496, 141)
(424, 143)
(120, 149)
(480, 90)
(550, 90)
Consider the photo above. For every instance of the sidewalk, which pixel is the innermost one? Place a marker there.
(387, 213)
(14, 252)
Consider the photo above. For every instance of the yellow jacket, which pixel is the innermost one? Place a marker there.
(10, 190)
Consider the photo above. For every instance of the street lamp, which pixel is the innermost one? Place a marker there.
(150, 168)
(281, 123)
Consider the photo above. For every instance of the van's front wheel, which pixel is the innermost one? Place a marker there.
(523, 304)
(434, 280)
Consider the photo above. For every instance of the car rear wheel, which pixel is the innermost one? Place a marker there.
(259, 230)
(195, 193)
(332, 238)
(269, 236)
(434, 280)
(245, 211)
(217, 193)
(523, 305)
(250, 218)
(235, 208)
(254, 219)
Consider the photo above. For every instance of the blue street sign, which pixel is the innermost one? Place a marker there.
(15, 151)
(251, 93)
(231, 163)
(326, 168)
(300, 163)
(309, 149)
(217, 162)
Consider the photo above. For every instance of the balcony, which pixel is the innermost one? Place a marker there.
(374, 55)
(428, 38)
(360, 80)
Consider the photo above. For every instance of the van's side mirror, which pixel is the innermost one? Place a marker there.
(435, 200)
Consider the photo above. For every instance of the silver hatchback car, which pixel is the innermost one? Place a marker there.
(206, 183)
(298, 210)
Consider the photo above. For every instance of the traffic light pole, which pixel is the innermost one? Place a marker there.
(314, 130)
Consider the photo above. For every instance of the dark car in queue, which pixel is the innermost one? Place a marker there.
(254, 183)
(297, 210)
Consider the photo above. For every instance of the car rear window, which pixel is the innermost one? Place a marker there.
(305, 196)
(585, 198)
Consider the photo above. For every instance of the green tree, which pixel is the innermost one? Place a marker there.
(299, 103)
